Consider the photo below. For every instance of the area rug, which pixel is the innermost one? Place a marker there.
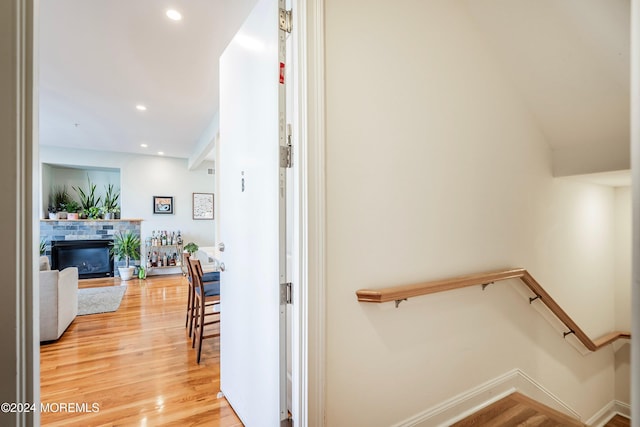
(99, 300)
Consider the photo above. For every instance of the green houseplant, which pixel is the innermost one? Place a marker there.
(126, 246)
(110, 205)
(88, 199)
(72, 208)
(93, 212)
(59, 199)
(191, 248)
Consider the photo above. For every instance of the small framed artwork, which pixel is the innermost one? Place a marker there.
(202, 205)
(162, 204)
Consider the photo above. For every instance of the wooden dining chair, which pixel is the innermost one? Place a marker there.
(209, 280)
(203, 298)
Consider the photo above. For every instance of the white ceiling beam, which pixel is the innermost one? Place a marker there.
(206, 144)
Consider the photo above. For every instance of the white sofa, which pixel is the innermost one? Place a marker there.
(58, 300)
(207, 257)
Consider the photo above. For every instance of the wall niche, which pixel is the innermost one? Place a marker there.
(56, 176)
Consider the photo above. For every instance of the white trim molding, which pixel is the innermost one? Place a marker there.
(309, 45)
(635, 172)
(471, 401)
(19, 173)
(604, 415)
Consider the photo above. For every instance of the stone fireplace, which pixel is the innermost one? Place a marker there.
(84, 244)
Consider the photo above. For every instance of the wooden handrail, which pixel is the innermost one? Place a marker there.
(400, 293)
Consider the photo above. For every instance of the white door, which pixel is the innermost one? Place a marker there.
(251, 222)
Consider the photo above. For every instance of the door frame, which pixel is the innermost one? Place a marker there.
(309, 302)
(308, 335)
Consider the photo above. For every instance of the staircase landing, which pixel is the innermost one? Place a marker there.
(518, 410)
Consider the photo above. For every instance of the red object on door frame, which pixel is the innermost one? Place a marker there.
(282, 73)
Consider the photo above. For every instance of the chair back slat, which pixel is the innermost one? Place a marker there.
(196, 272)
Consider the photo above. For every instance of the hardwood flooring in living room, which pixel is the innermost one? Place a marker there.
(136, 363)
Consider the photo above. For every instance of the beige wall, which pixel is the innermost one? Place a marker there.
(435, 169)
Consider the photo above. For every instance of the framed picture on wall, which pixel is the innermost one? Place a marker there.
(202, 205)
(162, 204)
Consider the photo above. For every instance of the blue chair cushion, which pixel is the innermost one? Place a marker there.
(212, 276)
(211, 289)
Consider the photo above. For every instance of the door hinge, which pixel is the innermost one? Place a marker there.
(285, 20)
(286, 151)
(285, 156)
(286, 293)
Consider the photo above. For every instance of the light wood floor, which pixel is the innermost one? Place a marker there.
(519, 410)
(619, 421)
(137, 364)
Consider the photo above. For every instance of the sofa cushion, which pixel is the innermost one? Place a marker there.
(58, 301)
(44, 263)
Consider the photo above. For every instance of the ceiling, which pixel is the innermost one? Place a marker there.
(568, 60)
(101, 58)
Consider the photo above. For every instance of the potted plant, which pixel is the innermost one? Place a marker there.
(43, 247)
(60, 198)
(93, 212)
(110, 204)
(191, 248)
(52, 212)
(89, 200)
(72, 208)
(126, 246)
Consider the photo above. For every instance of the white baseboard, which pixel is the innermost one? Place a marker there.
(613, 408)
(465, 404)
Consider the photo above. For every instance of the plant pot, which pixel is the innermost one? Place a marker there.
(72, 215)
(53, 215)
(108, 215)
(62, 215)
(126, 273)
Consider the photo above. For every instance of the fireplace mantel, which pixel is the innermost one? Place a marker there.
(91, 220)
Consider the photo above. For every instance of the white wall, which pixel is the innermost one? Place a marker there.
(141, 178)
(436, 169)
(55, 175)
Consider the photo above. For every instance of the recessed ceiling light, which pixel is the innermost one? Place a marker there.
(141, 107)
(143, 145)
(161, 153)
(174, 15)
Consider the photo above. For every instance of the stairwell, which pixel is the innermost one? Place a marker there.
(519, 410)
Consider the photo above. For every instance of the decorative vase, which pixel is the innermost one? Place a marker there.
(72, 215)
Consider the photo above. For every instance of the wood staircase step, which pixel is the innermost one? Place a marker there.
(518, 410)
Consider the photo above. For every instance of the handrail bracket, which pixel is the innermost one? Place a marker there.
(484, 285)
(533, 299)
(571, 331)
(398, 301)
